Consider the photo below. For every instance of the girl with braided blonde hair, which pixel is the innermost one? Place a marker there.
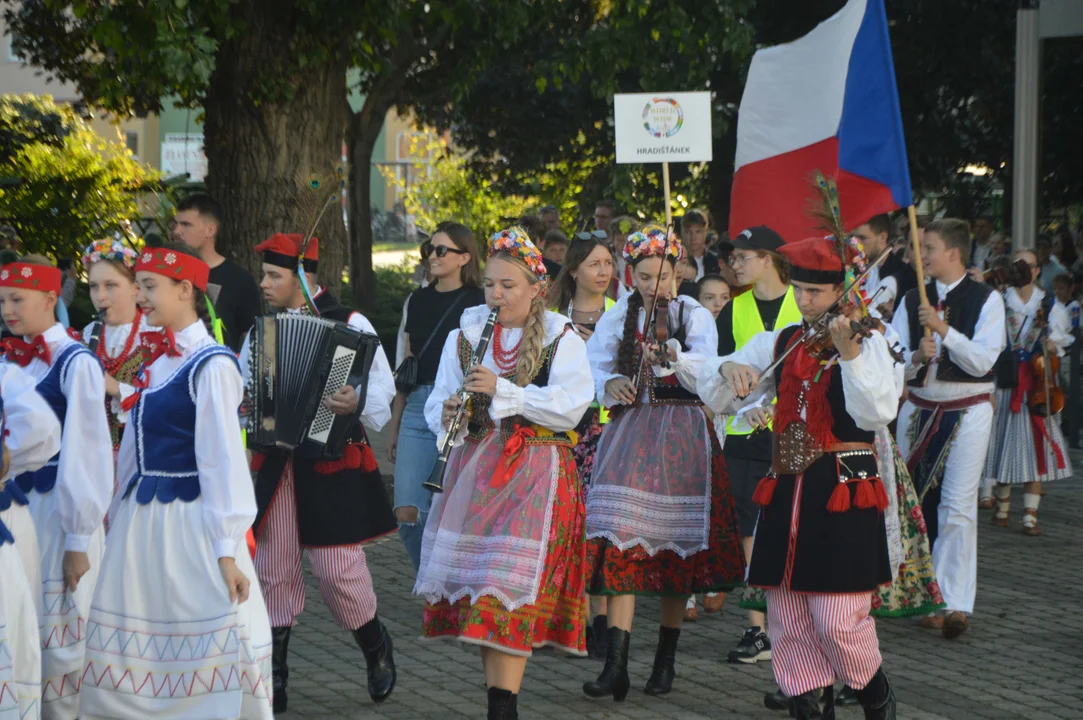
(502, 558)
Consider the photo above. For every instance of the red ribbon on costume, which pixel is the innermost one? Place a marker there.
(1040, 432)
(512, 452)
(356, 455)
(21, 352)
(1023, 386)
(155, 344)
(140, 383)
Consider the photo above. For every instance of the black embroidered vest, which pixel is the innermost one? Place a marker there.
(668, 390)
(962, 308)
(481, 424)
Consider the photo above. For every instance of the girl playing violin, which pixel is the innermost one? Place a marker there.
(657, 458)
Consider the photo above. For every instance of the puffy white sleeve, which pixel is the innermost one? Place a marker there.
(758, 353)
(701, 336)
(126, 470)
(225, 484)
(449, 378)
(559, 406)
(32, 426)
(871, 384)
(602, 351)
(381, 383)
(977, 355)
(84, 484)
(1059, 324)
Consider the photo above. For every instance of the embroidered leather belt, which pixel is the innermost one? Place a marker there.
(949, 405)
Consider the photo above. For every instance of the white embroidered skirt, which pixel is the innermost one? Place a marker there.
(163, 639)
(1013, 452)
(20, 645)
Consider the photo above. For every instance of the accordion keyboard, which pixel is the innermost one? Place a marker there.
(336, 378)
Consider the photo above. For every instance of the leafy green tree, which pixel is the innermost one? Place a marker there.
(448, 191)
(74, 185)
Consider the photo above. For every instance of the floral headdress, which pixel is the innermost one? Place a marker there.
(109, 249)
(651, 242)
(514, 241)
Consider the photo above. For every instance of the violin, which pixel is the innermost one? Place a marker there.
(661, 326)
(1048, 399)
(821, 345)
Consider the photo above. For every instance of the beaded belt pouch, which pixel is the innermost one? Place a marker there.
(793, 450)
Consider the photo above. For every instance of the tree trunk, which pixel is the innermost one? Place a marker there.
(362, 130)
(265, 128)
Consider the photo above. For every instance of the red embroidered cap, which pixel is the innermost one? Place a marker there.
(44, 278)
(815, 261)
(174, 265)
(283, 249)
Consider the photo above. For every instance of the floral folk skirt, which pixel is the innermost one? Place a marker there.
(589, 430)
(559, 616)
(719, 568)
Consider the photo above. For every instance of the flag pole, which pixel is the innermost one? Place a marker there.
(915, 242)
(665, 189)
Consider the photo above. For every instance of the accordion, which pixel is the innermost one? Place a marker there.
(294, 363)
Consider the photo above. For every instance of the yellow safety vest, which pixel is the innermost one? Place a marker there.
(747, 323)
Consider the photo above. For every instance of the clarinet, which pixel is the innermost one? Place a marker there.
(435, 483)
(96, 333)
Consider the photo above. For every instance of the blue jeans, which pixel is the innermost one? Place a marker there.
(416, 457)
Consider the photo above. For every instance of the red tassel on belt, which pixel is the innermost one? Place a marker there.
(513, 449)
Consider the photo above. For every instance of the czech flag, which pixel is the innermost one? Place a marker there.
(827, 101)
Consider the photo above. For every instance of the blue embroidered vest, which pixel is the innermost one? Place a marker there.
(49, 387)
(164, 422)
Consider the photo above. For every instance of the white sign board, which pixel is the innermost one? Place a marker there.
(663, 127)
(183, 153)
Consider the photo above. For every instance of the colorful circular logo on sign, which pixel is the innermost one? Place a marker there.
(663, 117)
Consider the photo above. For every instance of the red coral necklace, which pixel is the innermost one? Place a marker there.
(112, 364)
(505, 359)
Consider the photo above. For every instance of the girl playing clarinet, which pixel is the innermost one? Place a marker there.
(67, 497)
(658, 458)
(114, 336)
(503, 550)
(176, 606)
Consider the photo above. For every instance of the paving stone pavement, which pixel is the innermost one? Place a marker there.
(1021, 659)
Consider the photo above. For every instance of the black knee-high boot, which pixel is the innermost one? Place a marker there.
(503, 704)
(614, 678)
(877, 698)
(806, 706)
(280, 672)
(375, 644)
(661, 679)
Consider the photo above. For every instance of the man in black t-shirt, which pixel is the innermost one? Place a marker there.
(232, 289)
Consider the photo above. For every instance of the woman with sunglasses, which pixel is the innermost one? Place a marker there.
(432, 312)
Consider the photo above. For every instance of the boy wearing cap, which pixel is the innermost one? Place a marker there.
(945, 424)
(769, 305)
(329, 507)
(820, 545)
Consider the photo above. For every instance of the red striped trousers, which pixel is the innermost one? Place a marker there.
(343, 575)
(817, 639)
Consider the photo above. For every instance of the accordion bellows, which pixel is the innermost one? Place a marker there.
(295, 362)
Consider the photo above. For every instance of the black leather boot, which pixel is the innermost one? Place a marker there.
(661, 679)
(375, 643)
(502, 704)
(846, 697)
(877, 698)
(828, 699)
(280, 672)
(598, 637)
(806, 706)
(614, 678)
(778, 700)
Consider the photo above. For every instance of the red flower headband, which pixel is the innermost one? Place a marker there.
(44, 278)
(175, 266)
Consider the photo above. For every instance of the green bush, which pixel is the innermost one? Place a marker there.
(393, 285)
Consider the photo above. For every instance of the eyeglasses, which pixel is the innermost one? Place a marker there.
(738, 259)
(596, 234)
(440, 251)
